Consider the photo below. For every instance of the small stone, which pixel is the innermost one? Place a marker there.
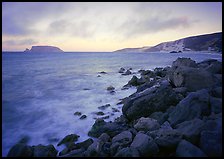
(121, 70)
(83, 117)
(110, 88)
(104, 106)
(100, 113)
(98, 76)
(78, 113)
(128, 72)
(102, 72)
(115, 110)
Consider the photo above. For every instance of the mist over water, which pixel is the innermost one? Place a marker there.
(41, 92)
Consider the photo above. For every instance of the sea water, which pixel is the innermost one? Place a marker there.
(41, 91)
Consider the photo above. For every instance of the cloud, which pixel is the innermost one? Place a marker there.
(135, 27)
(20, 42)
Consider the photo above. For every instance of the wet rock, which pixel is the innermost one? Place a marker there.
(68, 139)
(100, 113)
(133, 81)
(78, 113)
(110, 88)
(103, 107)
(127, 152)
(146, 124)
(191, 130)
(84, 145)
(20, 150)
(98, 76)
(121, 70)
(195, 105)
(149, 101)
(102, 72)
(97, 149)
(121, 119)
(211, 143)
(145, 145)
(44, 151)
(128, 72)
(186, 149)
(83, 117)
(115, 110)
(111, 128)
(105, 117)
(124, 138)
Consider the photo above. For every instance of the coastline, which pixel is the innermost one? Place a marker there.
(163, 129)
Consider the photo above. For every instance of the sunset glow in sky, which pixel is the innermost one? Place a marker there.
(104, 26)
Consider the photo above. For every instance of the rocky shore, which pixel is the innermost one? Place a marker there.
(175, 112)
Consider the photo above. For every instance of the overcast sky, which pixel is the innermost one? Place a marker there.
(104, 26)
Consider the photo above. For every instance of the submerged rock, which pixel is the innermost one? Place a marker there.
(121, 70)
(78, 113)
(83, 117)
(110, 88)
(103, 107)
(128, 72)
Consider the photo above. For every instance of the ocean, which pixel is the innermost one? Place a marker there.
(42, 91)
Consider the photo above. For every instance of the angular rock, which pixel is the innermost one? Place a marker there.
(69, 138)
(191, 78)
(186, 149)
(20, 150)
(149, 101)
(44, 151)
(145, 145)
(160, 116)
(195, 105)
(111, 128)
(124, 138)
(184, 62)
(166, 126)
(191, 130)
(211, 143)
(167, 139)
(146, 124)
(127, 152)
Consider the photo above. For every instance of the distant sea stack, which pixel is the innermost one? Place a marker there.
(39, 49)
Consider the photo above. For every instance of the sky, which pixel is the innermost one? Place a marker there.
(104, 26)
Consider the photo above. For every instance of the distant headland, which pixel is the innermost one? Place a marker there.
(43, 49)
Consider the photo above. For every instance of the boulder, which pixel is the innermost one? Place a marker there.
(195, 105)
(146, 124)
(160, 116)
(211, 143)
(145, 145)
(191, 130)
(216, 104)
(127, 152)
(187, 62)
(191, 78)
(111, 128)
(44, 151)
(216, 92)
(186, 149)
(124, 138)
(75, 153)
(167, 138)
(68, 139)
(214, 67)
(78, 113)
(100, 113)
(104, 137)
(166, 126)
(20, 150)
(149, 101)
(82, 145)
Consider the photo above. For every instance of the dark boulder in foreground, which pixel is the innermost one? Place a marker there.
(151, 100)
(68, 139)
(20, 150)
(44, 151)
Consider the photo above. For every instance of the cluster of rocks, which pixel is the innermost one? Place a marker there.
(176, 112)
(125, 72)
